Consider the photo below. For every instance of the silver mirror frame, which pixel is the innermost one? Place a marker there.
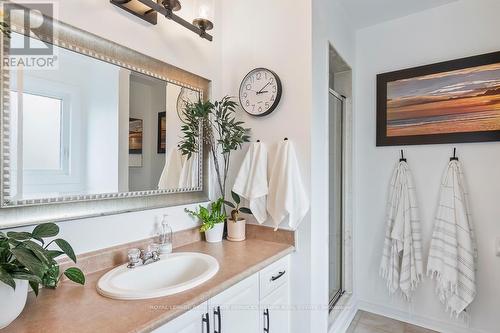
(29, 212)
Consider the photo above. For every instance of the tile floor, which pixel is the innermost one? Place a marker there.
(366, 322)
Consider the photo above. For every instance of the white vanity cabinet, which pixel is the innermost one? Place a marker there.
(237, 308)
(193, 321)
(258, 304)
(275, 297)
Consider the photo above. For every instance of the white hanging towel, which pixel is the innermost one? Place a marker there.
(401, 265)
(189, 172)
(251, 182)
(287, 195)
(453, 252)
(171, 173)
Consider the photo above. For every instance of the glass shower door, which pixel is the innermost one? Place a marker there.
(336, 111)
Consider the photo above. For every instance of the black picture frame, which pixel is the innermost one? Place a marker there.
(135, 136)
(458, 137)
(161, 143)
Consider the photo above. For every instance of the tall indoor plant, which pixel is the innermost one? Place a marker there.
(218, 128)
(26, 258)
(213, 125)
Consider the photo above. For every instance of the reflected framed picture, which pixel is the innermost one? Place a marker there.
(449, 102)
(135, 132)
(162, 133)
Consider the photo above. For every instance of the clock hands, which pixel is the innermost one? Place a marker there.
(261, 90)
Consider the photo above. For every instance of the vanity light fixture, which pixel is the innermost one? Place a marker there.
(148, 10)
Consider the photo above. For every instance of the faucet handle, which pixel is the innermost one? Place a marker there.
(154, 250)
(134, 257)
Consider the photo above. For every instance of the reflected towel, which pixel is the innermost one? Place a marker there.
(453, 253)
(401, 264)
(287, 195)
(170, 175)
(189, 172)
(251, 182)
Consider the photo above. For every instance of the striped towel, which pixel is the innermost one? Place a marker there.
(401, 264)
(453, 252)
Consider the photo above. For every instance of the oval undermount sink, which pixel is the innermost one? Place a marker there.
(173, 273)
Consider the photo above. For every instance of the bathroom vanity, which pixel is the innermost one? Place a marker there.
(249, 293)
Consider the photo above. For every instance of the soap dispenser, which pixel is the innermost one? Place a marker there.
(165, 237)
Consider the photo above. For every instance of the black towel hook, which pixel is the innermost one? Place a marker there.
(454, 158)
(402, 159)
(286, 139)
(258, 140)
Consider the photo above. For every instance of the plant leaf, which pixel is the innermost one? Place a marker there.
(66, 248)
(230, 204)
(35, 286)
(245, 210)
(7, 278)
(51, 277)
(45, 230)
(19, 235)
(54, 253)
(30, 261)
(75, 275)
(26, 276)
(39, 251)
(236, 197)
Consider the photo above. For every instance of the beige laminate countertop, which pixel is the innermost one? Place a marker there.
(74, 309)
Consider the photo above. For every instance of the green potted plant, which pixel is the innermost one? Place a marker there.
(212, 220)
(218, 128)
(236, 225)
(214, 125)
(26, 258)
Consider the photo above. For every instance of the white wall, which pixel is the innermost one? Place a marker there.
(260, 34)
(460, 29)
(147, 99)
(102, 118)
(329, 26)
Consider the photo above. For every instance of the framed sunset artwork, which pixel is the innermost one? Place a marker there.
(449, 102)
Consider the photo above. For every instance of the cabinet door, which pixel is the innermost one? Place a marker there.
(275, 312)
(193, 321)
(236, 310)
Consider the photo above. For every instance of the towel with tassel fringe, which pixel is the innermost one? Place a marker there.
(401, 264)
(453, 252)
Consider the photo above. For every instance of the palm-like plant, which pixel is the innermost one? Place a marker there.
(220, 131)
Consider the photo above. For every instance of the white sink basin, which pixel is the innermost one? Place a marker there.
(173, 274)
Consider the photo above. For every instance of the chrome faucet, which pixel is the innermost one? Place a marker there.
(137, 257)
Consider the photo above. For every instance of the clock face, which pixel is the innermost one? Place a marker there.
(260, 92)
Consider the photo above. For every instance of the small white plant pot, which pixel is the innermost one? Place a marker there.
(214, 235)
(12, 301)
(236, 230)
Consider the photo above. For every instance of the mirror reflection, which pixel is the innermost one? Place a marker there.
(90, 127)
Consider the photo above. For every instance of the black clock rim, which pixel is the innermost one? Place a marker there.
(278, 93)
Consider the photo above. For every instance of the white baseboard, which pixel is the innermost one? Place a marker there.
(341, 322)
(426, 322)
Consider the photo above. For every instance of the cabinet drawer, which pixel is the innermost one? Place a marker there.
(274, 276)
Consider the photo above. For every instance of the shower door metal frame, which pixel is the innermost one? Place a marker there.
(341, 291)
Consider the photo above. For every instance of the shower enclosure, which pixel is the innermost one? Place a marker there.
(335, 184)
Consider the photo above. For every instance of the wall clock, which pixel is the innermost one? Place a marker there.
(260, 92)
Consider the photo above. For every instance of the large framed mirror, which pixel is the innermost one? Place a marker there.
(94, 133)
